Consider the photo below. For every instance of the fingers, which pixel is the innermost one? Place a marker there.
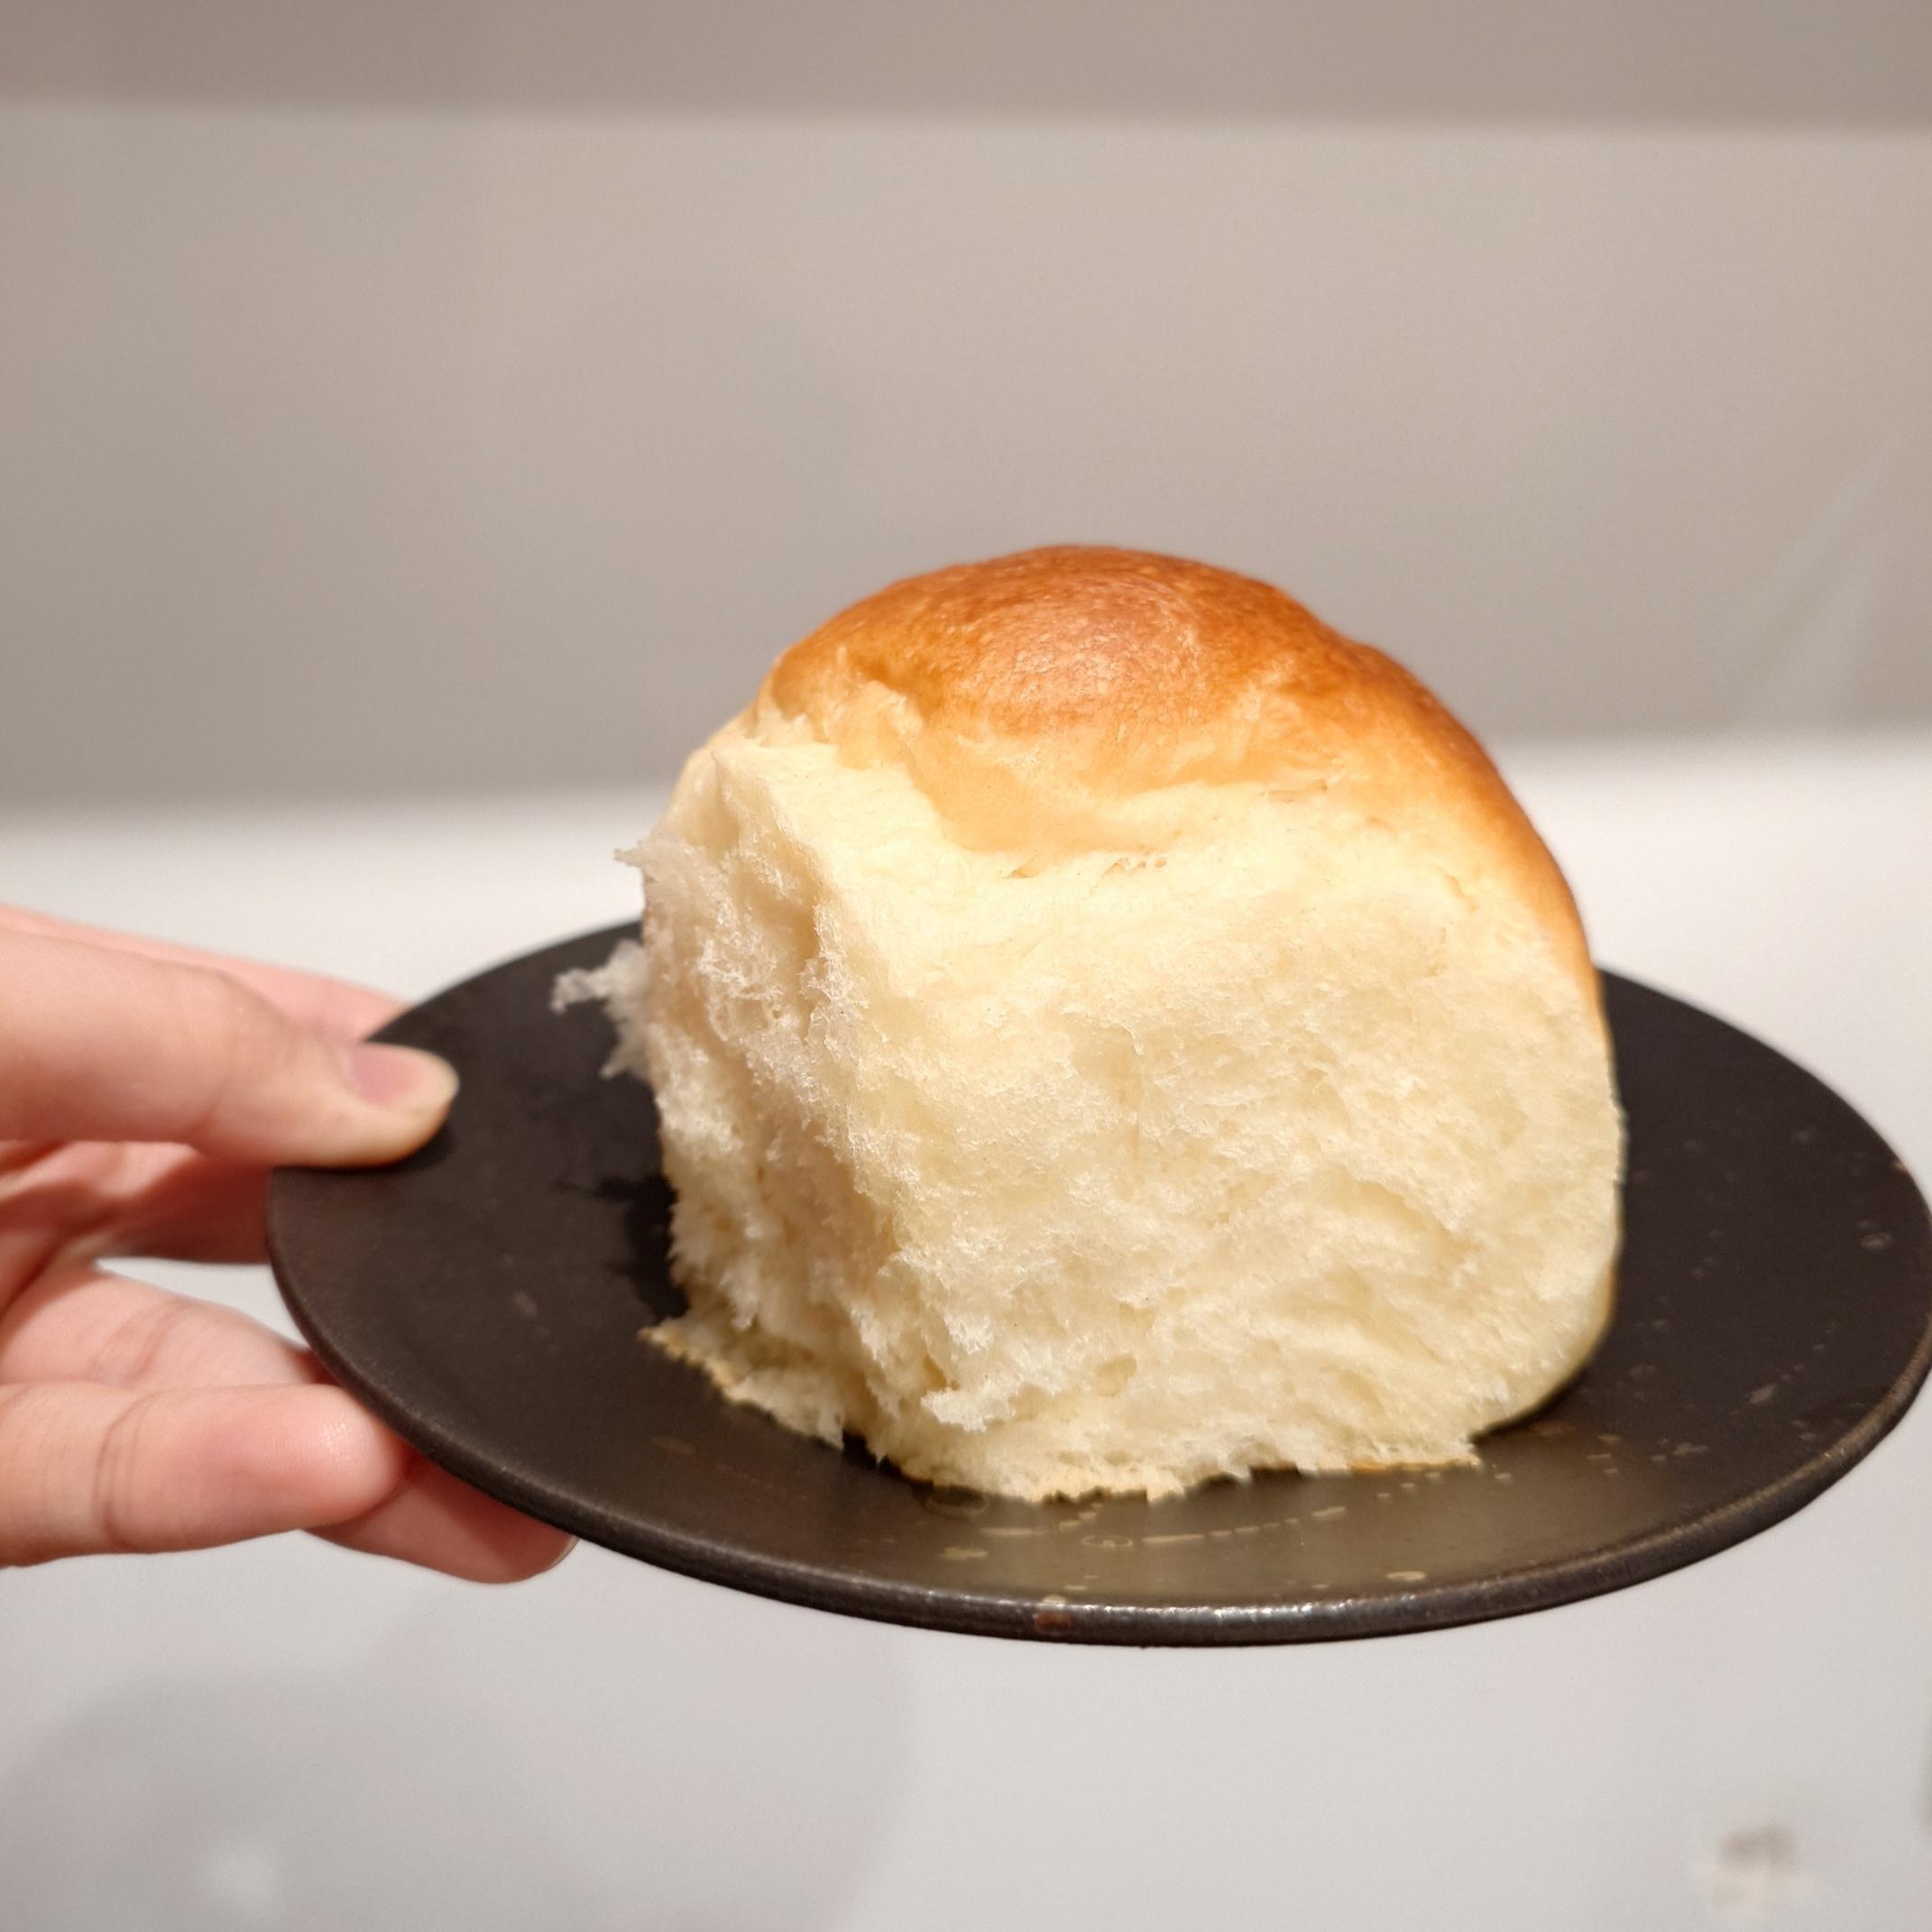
(92, 1198)
(86, 1326)
(106, 1045)
(334, 1008)
(134, 1419)
(107, 1336)
(192, 1209)
(436, 1521)
(87, 1470)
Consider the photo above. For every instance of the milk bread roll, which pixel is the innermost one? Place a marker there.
(1109, 1031)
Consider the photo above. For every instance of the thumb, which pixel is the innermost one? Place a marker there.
(97, 1044)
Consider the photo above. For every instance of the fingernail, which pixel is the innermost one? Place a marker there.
(401, 1077)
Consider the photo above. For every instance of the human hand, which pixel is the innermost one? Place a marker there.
(145, 1092)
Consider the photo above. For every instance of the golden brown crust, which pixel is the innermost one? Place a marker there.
(1029, 693)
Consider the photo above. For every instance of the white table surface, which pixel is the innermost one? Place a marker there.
(285, 1736)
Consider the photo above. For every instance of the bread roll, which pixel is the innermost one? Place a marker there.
(1110, 1031)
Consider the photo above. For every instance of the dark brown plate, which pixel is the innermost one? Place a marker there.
(485, 1298)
